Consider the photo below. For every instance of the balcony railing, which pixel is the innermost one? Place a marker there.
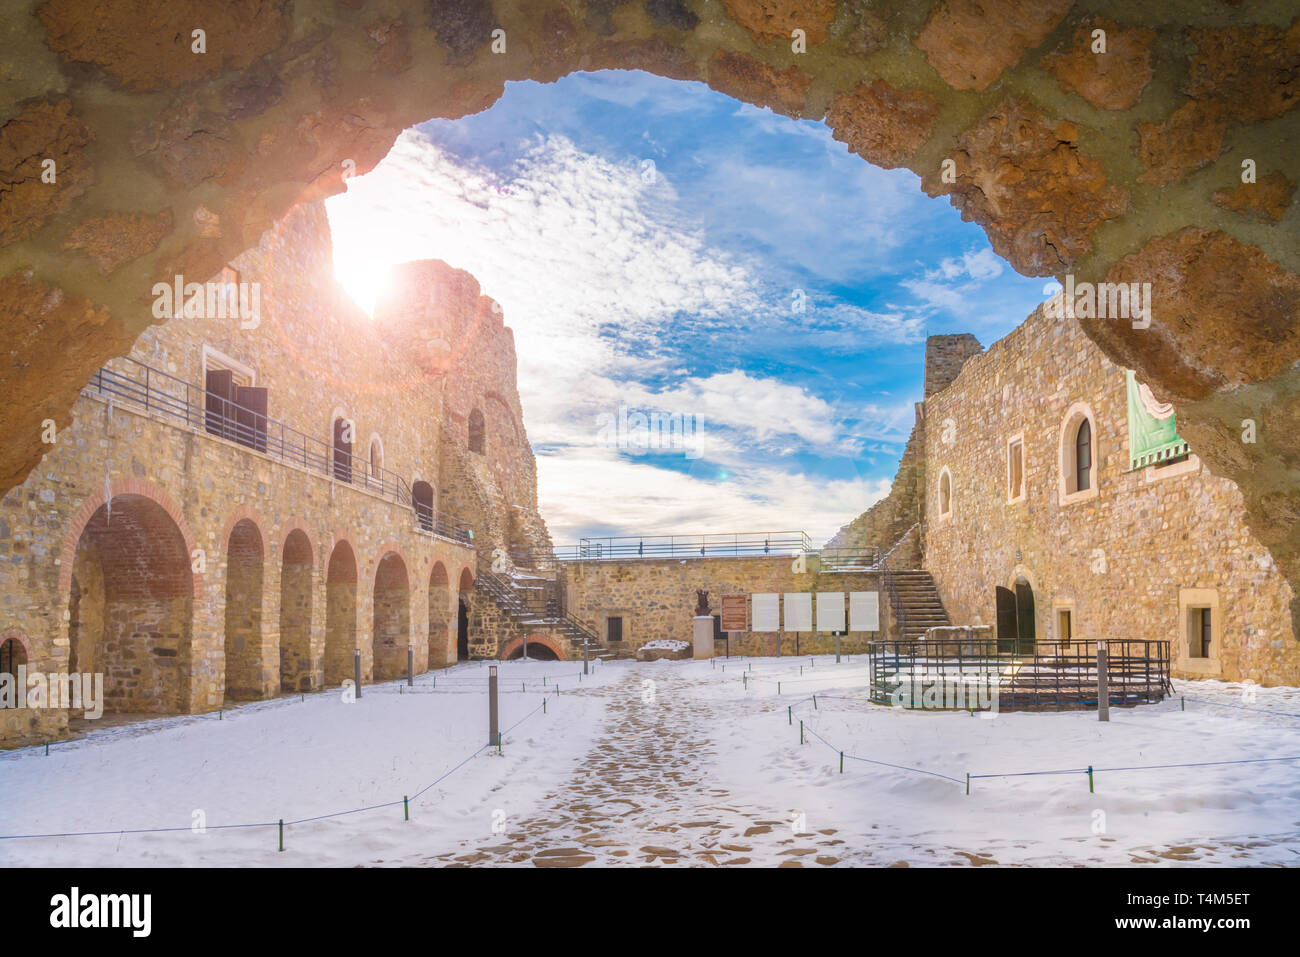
(131, 381)
(726, 545)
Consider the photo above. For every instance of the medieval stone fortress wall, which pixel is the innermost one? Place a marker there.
(199, 545)
(1148, 545)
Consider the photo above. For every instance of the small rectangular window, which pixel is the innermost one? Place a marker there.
(614, 628)
(1015, 470)
(1064, 626)
(1201, 632)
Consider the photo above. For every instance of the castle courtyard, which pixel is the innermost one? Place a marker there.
(666, 764)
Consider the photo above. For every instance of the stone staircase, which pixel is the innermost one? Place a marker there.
(916, 604)
(532, 603)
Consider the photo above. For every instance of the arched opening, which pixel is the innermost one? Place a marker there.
(133, 597)
(439, 615)
(296, 671)
(340, 614)
(12, 654)
(342, 449)
(243, 644)
(462, 629)
(464, 588)
(945, 493)
(422, 499)
(476, 431)
(1077, 456)
(536, 652)
(392, 617)
(1083, 457)
(1015, 616)
(376, 456)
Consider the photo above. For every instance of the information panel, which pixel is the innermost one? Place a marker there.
(798, 611)
(735, 613)
(830, 611)
(864, 611)
(767, 612)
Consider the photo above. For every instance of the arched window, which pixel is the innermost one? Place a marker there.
(476, 431)
(343, 430)
(376, 456)
(1078, 455)
(945, 493)
(12, 654)
(1083, 457)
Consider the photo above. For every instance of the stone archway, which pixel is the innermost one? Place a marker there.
(297, 672)
(340, 613)
(392, 617)
(1124, 165)
(244, 636)
(540, 648)
(131, 566)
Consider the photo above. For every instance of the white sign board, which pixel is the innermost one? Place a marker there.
(798, 611)
(864, 611)
(830, 611)
(766, 611)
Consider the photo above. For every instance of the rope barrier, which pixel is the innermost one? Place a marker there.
(282, 824)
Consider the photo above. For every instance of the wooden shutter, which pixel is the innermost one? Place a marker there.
(220, 388)
(251, 415)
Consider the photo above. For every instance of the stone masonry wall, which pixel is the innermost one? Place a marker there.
(656, 598)
(1119, 556)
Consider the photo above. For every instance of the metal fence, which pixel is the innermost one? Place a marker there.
(183, 403)
(1054, 676)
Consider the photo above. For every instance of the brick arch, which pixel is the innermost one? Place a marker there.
(393, 548)
(92, 504)
(243, 513)
(294, 524)
(510, 647)
(22, 640)
(465, 568)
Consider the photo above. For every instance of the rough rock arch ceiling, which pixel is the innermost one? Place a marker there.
(1125, 165)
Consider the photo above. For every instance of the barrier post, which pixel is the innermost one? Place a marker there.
(801, 730)
(356, 669)
(841, 762)
(968, 783)
(282, 834)
(789, 714)
(406, 807)
(410, 667)
(494, 736)
(1090, 790)
(1103, 684)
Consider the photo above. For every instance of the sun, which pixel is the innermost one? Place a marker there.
(365, 281)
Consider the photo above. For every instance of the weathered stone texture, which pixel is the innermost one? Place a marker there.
(766, 19)
(1266, 199)
(1113, 80)
(1119, 557)
(882, 124)
(971, 42)
(751, 80)
(1026, 181)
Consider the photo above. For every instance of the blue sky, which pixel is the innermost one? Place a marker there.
(651, 243)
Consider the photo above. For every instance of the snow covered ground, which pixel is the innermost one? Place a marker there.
(667, 762)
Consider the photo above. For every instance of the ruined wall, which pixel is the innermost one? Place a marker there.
(1119, 556)
(135, 504)
(888, 520)
(1124, 163)
(656, 598)
(438, 318)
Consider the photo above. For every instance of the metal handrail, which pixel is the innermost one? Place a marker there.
(733, 544)
(174, 398)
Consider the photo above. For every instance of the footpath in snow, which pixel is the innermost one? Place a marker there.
(667, 763)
